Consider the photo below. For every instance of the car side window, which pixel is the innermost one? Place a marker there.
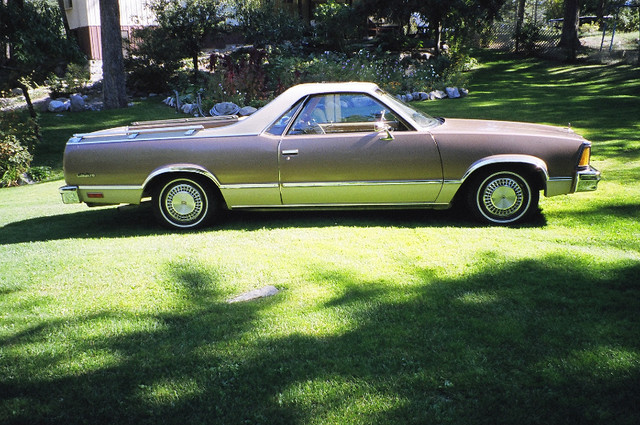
(343, 113)
(278, 127)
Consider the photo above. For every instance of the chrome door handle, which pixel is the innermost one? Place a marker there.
(290, 152)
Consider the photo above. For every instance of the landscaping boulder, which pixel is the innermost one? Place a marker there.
(453, 92)
(437, 94)
(59, 105)
(77, 103)
(189, 108)
(224, 108)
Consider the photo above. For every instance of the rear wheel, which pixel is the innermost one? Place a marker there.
(503, 197)
(183, 203)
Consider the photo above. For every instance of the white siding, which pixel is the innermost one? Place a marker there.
(86, 13)
(135, 12)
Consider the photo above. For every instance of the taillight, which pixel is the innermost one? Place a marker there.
(585, 157)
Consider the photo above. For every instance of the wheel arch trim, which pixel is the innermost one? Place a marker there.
(536, 162)
(180, 168)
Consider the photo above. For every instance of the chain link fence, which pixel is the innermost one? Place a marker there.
(599, 45)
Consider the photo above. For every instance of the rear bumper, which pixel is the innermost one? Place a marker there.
(587, 180)
(69, 194)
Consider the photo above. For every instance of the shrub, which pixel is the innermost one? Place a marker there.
(528, 36)
(265, 25)
(14, 160)
(627, 19)
(153, 60)
(253, 76)
(18, 137)
(243, 73)
(388, 71)
(75, 79)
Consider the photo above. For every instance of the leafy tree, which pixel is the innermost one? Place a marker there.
(459, 15)
(189, 21)
(263, 24)
(32, 34)
(337, 24)
(153, 61)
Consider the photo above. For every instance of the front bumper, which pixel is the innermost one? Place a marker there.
(69, 194)
(587, 180)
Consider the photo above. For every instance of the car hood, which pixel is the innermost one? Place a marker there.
(503, 128)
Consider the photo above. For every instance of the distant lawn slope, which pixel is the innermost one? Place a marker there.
(409, 317)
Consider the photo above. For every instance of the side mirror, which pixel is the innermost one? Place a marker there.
(383, 127)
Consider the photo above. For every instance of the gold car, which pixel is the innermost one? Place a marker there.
(327, 145)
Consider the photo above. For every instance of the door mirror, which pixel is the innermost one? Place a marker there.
(383, 127)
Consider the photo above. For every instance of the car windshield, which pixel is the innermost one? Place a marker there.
(420, 118)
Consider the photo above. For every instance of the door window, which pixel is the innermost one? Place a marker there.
(343, 113)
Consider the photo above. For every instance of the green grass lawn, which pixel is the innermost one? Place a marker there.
(413, 317)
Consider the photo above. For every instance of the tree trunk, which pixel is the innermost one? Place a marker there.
(519, 22)
(114, 85)
(569, 39)
(27, 98)
(436, 21)
(65, 21)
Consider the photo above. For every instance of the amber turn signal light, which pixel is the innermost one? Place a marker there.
(585, 157)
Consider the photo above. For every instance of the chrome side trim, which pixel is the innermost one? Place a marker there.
(249, 186)
(82, 139)
(361, 183)
(110, 187)
(433, 205)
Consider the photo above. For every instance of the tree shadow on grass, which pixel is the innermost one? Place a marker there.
(553, 341)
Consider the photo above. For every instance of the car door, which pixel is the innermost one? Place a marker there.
(337, 152)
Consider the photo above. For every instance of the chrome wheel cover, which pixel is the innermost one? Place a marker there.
(502, 197)
(184, 203)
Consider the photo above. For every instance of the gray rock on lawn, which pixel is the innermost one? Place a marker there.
(453, 92)
(59, 105)
(224, 108)
(77, 103)
(437, 94)
(189, 108)
(25, 179)
(267, 291)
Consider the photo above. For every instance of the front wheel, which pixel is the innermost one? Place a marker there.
(503, 197)
(182, 203)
